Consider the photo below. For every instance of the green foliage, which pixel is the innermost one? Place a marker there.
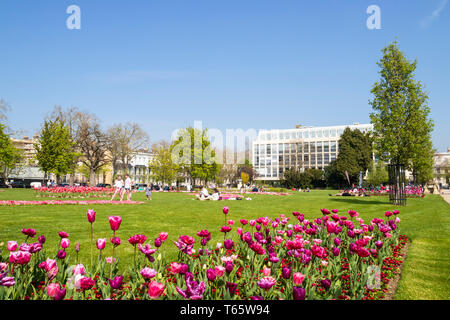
(310, 178)
(54, 149)
(194, 154)
(10, 156)
(378, 174)
(332, 176)
(402, 129)
(355, 154)
(161, 166)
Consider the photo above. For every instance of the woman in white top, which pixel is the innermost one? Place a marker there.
(118, 185)
(127, 188)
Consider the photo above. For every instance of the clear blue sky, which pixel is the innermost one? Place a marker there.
(231, 63)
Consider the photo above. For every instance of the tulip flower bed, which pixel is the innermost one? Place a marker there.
(333, 257)
(64, 202)
(73, 192)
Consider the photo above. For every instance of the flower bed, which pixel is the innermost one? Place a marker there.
(332, 257)
(73, 192)
(63, 202)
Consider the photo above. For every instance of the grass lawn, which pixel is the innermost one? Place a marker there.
(426, 272)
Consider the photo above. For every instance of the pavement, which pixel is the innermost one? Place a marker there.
(446, 197)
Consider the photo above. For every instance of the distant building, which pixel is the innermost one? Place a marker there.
(139, 166)
(275, 151)
(441, 168)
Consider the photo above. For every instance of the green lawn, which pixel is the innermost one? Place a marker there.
(426, 272)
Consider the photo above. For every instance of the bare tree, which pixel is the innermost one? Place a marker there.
(92, 143)
(124, 141)
(4, 108)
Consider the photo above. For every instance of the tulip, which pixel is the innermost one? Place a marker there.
(90, 216)
(148, 273)
(86, 283)
(61, 254)
(41, 239)
(286, 272)
(12, 245)
(63, 234)
(65, 242)
(228, 244)
(266, 282)
(29, 232)
(298, 278)
(163, 236)
(116, 283)
(155, 289)
(60, 294)
(52, 289)
(225, 210)
(211, 274)
(114, 222)
(158, 242)
(115, 241)
(219, 270)
(326, 283)
(229, 266)
(101, 243)
(298, 293)
(79, 269)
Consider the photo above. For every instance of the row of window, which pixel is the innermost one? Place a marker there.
(298, 159)
(307, 147)
(306, 134)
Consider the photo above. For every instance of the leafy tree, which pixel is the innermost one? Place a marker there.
(317, 178)
(293, 178)
(54, 149)
(378, 174)
(10, 156)
(355, 154)
(161, 166)
(194, 155)
(402, 128)
(332, 176)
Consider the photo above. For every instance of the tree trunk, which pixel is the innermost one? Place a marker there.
(92, 178)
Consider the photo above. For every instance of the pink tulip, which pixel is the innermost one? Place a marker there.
(266, 271)
(101, 244)
(155, 289)
(12, 245)
(52, 289)
(219, 270)
(298, 278)
(148, 273)
(90, 215)
(114, 222)
(79, 269)
(230, 222)
(163, 236)
(225, 210)
(110, 260)
(65, 242)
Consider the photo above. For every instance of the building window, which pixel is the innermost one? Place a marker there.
(326, 146)
(333, 146)
(299, 147)
(313, 159)
(319, 158)
(306, 135)
(319, 133)
(268, 149)
(280, 148)
(312, 147)
(319, 146)
(326, 158)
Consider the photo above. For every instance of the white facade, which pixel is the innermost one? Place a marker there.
(275, 151)
(441, 166)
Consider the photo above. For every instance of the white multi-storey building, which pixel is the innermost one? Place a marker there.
(275, 151)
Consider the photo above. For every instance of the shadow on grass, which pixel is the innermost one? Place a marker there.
(355, 200)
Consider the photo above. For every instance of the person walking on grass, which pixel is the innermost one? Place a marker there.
(118, 185)
(127, 188)
(148, 192)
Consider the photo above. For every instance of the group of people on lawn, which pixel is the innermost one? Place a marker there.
(123, 187)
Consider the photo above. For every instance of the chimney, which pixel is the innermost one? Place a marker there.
(25, 138)
(298, 126)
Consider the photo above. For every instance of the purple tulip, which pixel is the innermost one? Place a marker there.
(337, 241)
(211, 274)
(231, 287)
(116, 283)
(336, 251)
(298, 293)
(194, 289)
(228, 244)
(286, 272)
(158, 242)
(326, 283)
(229, 266)
(61, 254)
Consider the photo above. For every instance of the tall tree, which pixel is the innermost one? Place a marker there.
(402, 127)
(161, 166)
(378, 174)
(124, 141)
(355, 154)
(10, 156)
(92, 144)
(54, 149)
(194, 155)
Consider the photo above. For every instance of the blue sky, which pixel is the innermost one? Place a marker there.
(232, 64)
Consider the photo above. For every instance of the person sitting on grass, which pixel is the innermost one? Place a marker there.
(216, 195)
(204, 194)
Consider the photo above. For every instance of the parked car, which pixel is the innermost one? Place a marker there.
(140, 186)
(156, 187)
(103, 185)
(20, 184)
(63, 185)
